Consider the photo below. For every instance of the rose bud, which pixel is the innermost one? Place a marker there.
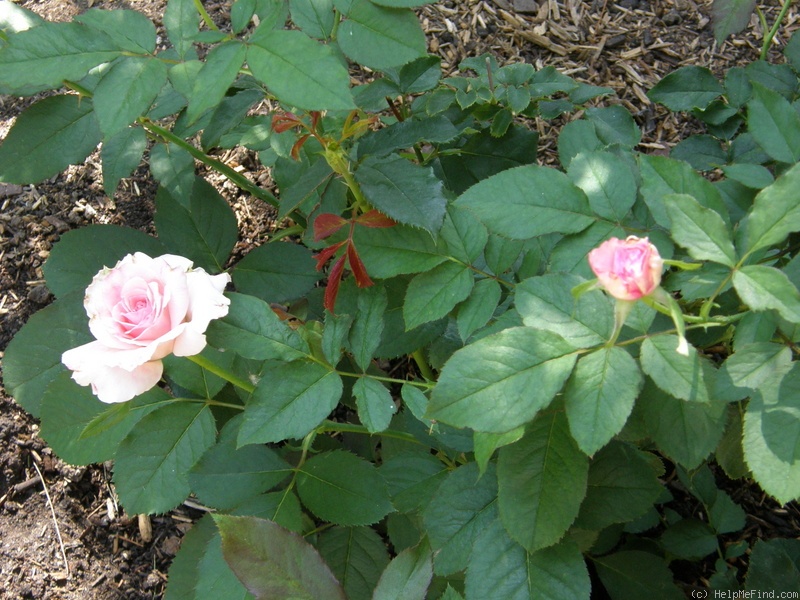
(627, 269)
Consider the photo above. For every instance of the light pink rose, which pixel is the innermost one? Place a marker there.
(627, 269)
(140, 311)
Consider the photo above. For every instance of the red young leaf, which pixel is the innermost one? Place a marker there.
(334, 279)
(297, 145)
(284, 121)
(327, 224)
(325, 255)
(357, 267)
(375, 218)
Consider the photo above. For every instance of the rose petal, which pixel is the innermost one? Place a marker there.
(111, 384)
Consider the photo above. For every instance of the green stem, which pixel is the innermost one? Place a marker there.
(422, 384)
(768, 37)
(222, 373)
(422, 365)
(237, 178)
(328, 426)
(198, 4)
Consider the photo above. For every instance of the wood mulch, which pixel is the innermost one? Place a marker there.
(627, 45)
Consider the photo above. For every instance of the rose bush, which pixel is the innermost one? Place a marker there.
(476, 419)
(140, 311)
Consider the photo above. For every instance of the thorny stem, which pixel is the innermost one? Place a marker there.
(237, 178)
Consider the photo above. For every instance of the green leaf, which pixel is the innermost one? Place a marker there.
(368, 325)
(173, 167)
(504, 569)
(121, 154)
(607, 181)
(397, 250)
(483, 155)
(476, 310)
(407, 193)
(464, 236)
(153, 461)
(622, 486)
(756, 364)
(276, 272)
(546, 303)
(527, 201)
(599, 396)
(774, 565)
(408, 576)
(253, 330)
(765, 288)
(460, 510)
(375, 404)
(33, 357)
(67, 409)
(289, 401)
(404, 134)
(225, 475)
(199, 569)
(775, 214)
(636, 574)
(577, 137)
(752, 176)
(678, 375)
(774, 124)
(700, 230)
(342, 488)
(81, 253)
(219, 71)
(274, 562)
(315, 18)
(130, 29)
(687, 88)
(126, 91)
(685, 431)
(337, 328)
(689, 539)
(15, 18)
(542, 482)
(730, 16)
(772, 436)
(42, 57)
(702, 152)
(182, 21)
(357, 556)
(412, 479)
(433, 294)
(378, 37)
(614, 125)
(298, 70)
(202, 227)
(517, 372)
(48, 137)
(662, 176)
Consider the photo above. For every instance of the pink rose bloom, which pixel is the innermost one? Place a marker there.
(627, 269)
(140, 311)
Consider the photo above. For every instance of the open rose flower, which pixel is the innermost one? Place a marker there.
(140, 311)
(627, 269)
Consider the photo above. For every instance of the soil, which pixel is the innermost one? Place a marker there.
(62, 534)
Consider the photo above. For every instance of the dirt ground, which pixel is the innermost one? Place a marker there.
(51, 511)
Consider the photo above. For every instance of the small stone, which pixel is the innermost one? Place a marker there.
(673, 17)
(526, 7)
(39, 294)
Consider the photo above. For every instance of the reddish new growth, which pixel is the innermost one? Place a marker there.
(325, 225)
